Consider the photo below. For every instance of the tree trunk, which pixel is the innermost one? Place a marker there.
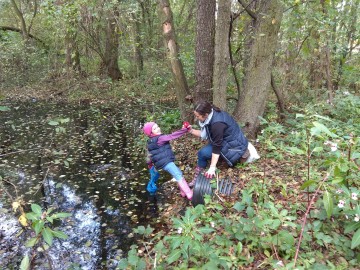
(72, 57)
(24, 30)
(221, 61)
(260, 50)
(204, 51)
(181, 86)
(137, 46)
(110, 65)
(327, 62)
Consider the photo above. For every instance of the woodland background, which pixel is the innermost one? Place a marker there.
(237, 57)
(287, 70)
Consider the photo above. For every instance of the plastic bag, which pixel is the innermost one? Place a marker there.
(253, 154)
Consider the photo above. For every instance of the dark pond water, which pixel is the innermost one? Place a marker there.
(85, 160)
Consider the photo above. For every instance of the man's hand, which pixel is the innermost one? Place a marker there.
(210, 172)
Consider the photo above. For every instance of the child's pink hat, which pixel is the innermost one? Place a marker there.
(148, 128)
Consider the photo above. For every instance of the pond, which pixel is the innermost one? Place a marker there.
(86, 160)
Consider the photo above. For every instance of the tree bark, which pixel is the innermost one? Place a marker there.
(260, 50)
(110, 64)
(137, 46)
(72, 57)
(221, 61)
(168, 30)
(18, 13)
(204, 51)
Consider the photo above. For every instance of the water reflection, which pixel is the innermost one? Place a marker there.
(84, 166)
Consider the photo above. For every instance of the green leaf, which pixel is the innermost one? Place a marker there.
(50, 219)
(328, 203)
(351, 227)
(320, 127)
(174, 256)
(355, 240)
(31, 242)
(60, 215)
(25, 263)
(36, 208)
(32, 216)
(295, 150)
(307, 184)
(59, 234)
(123, 264)
(239, 206)
(4, 108)
(48, 236)
(239, 248)
(38, 226)
(318, 149)
(205, 230)
(53, 123)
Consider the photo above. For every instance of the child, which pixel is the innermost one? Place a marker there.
(163, 157)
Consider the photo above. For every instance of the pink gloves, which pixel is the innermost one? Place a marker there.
(210, 172)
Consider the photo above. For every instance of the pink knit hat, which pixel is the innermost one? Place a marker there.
(148, 127)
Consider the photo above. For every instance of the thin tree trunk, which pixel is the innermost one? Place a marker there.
(137, 45)
(181, 86)
(18, 13)
(279, 96)
(221, 63)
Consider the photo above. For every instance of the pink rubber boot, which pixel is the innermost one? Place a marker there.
(184, 189)
(197, 171)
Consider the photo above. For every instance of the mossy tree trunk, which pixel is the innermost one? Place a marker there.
(168, 30)
(222, 57)
(204, 50)
(260, 49)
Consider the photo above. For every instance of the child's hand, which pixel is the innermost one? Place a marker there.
(186, 125)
